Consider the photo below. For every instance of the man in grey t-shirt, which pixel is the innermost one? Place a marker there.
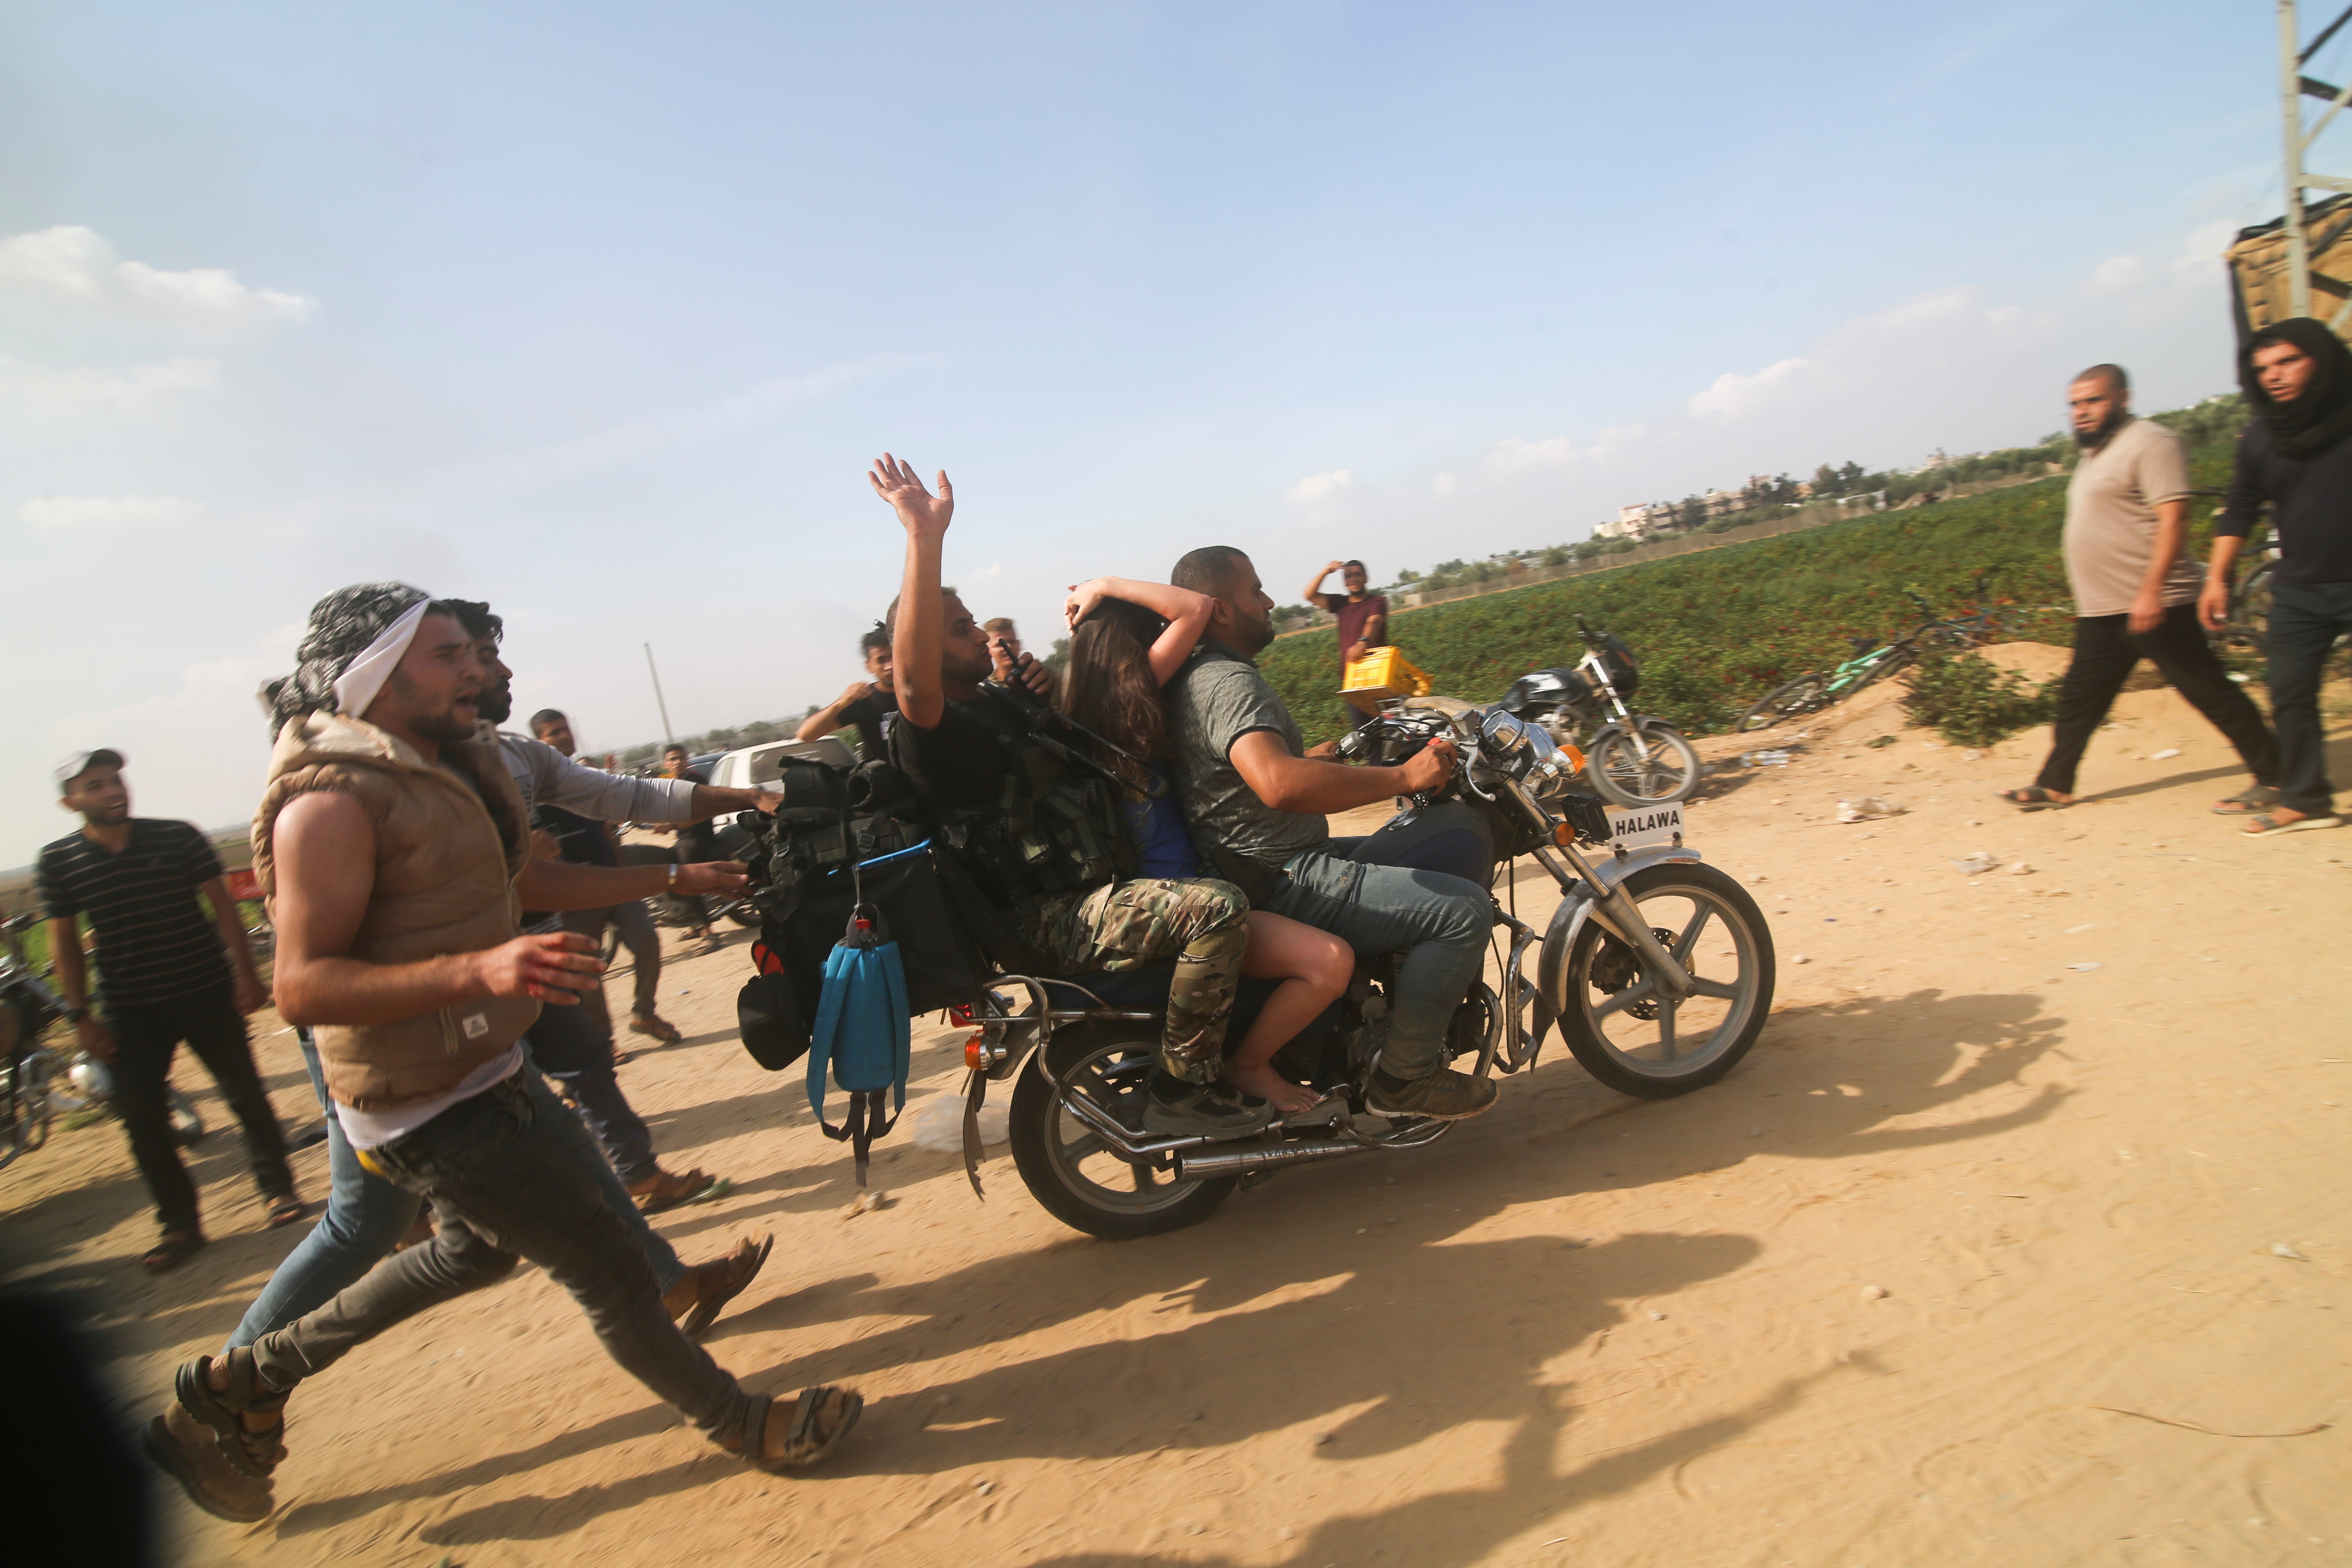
(2136, 595)
(1254, 792)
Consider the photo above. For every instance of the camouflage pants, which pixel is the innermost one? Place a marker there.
(1203, 925)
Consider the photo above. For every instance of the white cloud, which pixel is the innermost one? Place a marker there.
(82, 389)
(1734, 396)
(68, 512)
(1511, 453)
(1316, 488)
(199, 751)
(1443, 485)
(2199, 265)
(74, 266)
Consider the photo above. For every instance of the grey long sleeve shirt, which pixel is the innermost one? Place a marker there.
(547, 777)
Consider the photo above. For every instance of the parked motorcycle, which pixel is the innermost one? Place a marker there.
(1635, 760)
(30, 1094)
(1656, 968)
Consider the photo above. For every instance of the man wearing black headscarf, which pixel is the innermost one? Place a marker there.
(2297, 377)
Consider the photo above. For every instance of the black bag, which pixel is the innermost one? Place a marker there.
(768, 1011)
(832, 819)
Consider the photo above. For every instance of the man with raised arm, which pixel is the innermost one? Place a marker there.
(395, 851)
(1362, 614)
(1257, 800)
(960, 757)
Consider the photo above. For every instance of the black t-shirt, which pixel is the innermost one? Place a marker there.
(585, 839)
(2311, 499)
(873, 717)
(697, 841)
(155, 940)
(959, 764)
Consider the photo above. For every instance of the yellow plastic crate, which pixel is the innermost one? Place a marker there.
(1383, 673)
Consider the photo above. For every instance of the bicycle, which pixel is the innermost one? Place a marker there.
(1810, 693)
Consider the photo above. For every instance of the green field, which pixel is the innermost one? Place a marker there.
(1716, 629)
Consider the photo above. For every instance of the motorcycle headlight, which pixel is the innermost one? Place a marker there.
(1506, 744)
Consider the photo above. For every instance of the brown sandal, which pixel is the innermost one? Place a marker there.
(176, 1248)
(285, 1209)
(804, 1444)
(667, 1190)
(654, 1025)
(722, 1279)
(254, 1453)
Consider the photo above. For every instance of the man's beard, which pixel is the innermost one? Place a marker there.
(445, 728)
(496, 703)
(2107, 427)
(1251, 638)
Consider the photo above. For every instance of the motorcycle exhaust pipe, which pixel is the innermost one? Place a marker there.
(1209, 1166)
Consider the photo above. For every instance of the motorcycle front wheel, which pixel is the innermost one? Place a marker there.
(1081, 1179)
(1629, 1033)
(1653, 765)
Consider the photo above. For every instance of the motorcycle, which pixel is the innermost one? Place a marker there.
(1635, 760)
(29, 1094)
(1656, 968)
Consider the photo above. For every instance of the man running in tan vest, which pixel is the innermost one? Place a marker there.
(395, 849)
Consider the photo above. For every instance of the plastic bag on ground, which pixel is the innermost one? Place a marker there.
(939, 1124)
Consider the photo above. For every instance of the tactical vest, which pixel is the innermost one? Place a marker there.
(1055, 825)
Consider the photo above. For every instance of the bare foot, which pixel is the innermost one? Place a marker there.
(1289, 1099)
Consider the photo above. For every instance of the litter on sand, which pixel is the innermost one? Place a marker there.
(1869, 808)
(939, 1125)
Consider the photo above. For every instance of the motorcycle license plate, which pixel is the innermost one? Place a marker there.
(1648, 825)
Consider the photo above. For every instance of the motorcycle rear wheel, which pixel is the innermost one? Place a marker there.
(1081, 1180)
(1716, 932)
(1661, 770)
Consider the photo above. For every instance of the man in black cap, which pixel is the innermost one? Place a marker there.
(2297, 377)
(167, 972)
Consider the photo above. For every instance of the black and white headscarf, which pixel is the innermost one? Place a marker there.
(356, 635)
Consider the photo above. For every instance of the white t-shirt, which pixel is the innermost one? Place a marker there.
(374, 1129)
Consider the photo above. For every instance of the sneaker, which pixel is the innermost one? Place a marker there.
(1175, 1109)
(1444, 1095)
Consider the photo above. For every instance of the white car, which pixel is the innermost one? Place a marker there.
(756, 765)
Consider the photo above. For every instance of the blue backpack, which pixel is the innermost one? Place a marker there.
(861, 1031)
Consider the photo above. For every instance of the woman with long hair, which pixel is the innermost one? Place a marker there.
(1128, 639)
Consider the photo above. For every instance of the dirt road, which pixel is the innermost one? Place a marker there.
(2019, 1238)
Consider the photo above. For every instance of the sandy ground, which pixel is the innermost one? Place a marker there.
(2019, 1238)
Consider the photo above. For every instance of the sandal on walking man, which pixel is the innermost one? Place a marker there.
(394, 848)
(2135, 595)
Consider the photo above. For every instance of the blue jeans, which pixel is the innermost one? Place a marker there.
(1438, 922)
(367, 1216)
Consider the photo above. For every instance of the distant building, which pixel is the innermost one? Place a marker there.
(1646, 519)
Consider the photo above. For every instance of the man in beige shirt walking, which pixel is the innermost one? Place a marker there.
(2135, 592)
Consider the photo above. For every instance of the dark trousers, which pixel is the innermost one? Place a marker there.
(2105, 651)
(146, 1034)
(2305, 621)
(565, 1046)
(636, 925)
(506, 1182)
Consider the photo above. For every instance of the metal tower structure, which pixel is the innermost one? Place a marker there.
(2294, 87)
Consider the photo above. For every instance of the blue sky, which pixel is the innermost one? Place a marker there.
(598, 312)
